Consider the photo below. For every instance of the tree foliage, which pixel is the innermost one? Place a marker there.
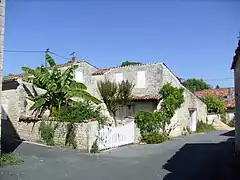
(59, 85)
(129, 63)
(196, 84)
(172, 98)
(115, 95)
(215, 104)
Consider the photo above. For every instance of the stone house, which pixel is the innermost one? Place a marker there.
(236, 67)
(148, 79)
(228, 96)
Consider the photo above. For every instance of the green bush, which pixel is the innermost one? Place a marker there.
(10, 159)
(204, 127)
(47, 133)
(215, 105)
(145, 122)
(154, 138)
(77, 112)
(70, 137)
(94, 148)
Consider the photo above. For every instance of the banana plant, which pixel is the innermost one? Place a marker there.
(60, 86)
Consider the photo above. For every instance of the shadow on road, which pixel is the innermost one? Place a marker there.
(207, 161)
(10, 139)
(229, 133)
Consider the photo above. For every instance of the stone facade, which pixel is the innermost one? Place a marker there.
(146, 92)
(156, 75)
(236, 68)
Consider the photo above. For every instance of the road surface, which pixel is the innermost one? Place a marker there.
(197, 156)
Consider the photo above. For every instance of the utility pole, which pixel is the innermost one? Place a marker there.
(2, 27)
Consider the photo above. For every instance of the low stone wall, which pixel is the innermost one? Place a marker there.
(211, 117)
(86, 133)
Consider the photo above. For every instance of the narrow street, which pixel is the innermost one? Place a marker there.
(197, 156)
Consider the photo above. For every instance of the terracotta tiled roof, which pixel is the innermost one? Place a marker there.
(236, 56)
(226, 93)
(101, 71)
(145, 97)
(221, 92)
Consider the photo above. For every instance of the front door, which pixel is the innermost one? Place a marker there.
(193, 120)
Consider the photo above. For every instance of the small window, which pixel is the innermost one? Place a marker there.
(141, 79)
(119, 77)
(79, 76)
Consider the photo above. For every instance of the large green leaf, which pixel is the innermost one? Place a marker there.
(40, 102)
(28, 70)
(50, 60)
(78, 85)
(83, 95)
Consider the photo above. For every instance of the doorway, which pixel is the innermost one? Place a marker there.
(193, 119)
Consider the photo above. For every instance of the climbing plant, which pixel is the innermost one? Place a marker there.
(150, 122)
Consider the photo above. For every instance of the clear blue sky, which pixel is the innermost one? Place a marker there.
(195, 39)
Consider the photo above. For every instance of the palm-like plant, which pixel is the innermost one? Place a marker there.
(60, 86)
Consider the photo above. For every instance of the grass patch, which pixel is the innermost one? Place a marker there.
(10, 159)
(204, 127)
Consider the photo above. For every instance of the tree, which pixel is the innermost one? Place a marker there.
(115, 95)
(217, 87)
(196, 84)
(128, 63)
(60, 86)
(215, 104)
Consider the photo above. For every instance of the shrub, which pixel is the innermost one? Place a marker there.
(94, 148)
(154, 138)
(215, 105)
(77, 112)
(70, 137)
(9, 159)
(145, 122)
(204, 127)
(47, 133)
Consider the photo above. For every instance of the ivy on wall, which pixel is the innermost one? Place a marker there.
(151, 122)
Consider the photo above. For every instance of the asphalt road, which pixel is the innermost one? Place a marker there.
(202, 156)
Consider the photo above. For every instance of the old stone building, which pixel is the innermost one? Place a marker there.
(236, 68)
(148, 79)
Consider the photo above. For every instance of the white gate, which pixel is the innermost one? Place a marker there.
(110, 137)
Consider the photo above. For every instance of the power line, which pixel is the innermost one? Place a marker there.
(32, 51)
(58, 55)
(21, 51)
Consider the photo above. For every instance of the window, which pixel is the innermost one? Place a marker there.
(119, 77)
(141, 79)
(79, 76)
